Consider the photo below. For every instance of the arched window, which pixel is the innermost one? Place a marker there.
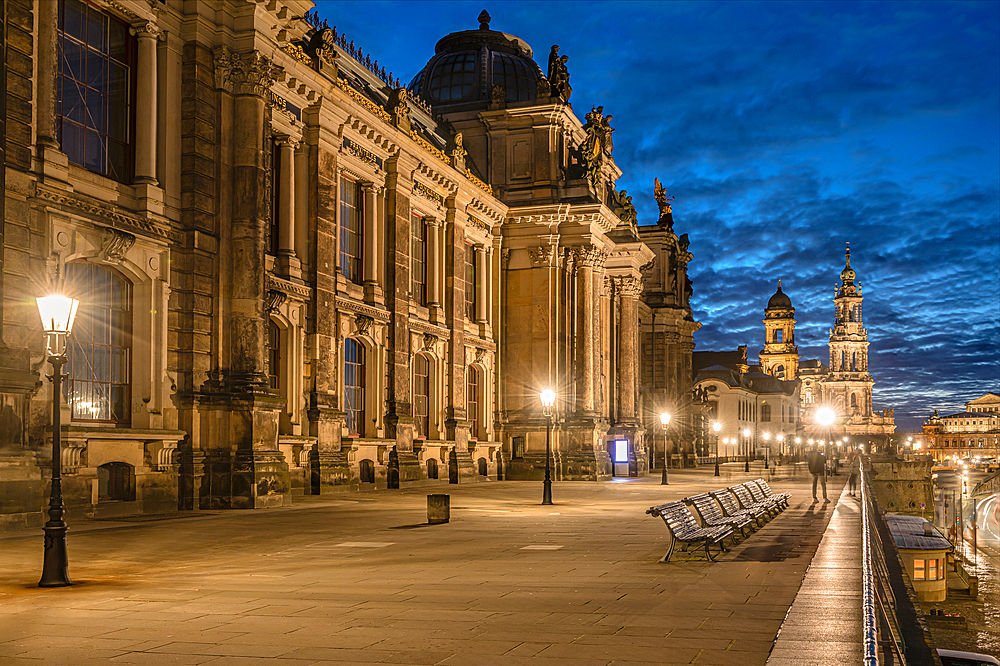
(354, 386)
(432, 469)
(779, 371)
(421, 394)
(472, 400)
(116, 482)
(854, 403)
(483, 467)
(366, 470)
(273, 355)
(777, 335)
(100, 348)
(808, 396)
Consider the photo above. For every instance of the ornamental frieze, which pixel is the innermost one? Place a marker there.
(590, 256)
(542, 255)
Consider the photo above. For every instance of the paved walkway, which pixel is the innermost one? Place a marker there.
(824, 624)
(360, 579)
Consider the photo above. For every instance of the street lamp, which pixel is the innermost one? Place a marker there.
(548, 398)
(781, 446)
(57, 313)
(717, 427)
(664, 420)
(746, 466)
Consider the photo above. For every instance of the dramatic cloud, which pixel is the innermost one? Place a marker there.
(786, 130)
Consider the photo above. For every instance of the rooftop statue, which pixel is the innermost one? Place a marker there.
(596, 145)
(663, 201)
(559, 74)
(624, 208)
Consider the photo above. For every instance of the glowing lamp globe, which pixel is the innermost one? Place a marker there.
(664, 418)
(57, 313)
(825, 416)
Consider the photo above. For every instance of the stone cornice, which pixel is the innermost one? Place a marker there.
(108, 213)
(360, 308)
(296, 292)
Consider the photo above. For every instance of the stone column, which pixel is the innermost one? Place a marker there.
(481, 287)
(145, 103)
(371, 248)
(629, 289)
(586, 259)
(288, 262)
(433, 263)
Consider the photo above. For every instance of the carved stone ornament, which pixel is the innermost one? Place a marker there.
(628, 287)
(544, 89)
(399, 108)
(499, 96)
(590, 256)
(480, 355)
(541, 255)
(363, 324)
(429, 342)
(146, 29)
(223, 64)
(252, 74)
(273, 300)
(505, 257)
(115, 245)
(458, 153)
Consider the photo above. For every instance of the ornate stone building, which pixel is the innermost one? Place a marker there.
(972, 433)
(297, 275)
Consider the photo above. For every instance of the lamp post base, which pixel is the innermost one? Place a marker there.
(547, 492)
(746, 466)
(55, 565)
(717, 465)
(663, 478)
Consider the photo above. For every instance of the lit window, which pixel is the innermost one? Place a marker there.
(354, 386)
(351, 231)
(95, 88)
(932, 570)
(100, 349)
(418, 260)
(919, 569)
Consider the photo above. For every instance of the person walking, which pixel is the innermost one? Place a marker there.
(852, 480)
(817, 467)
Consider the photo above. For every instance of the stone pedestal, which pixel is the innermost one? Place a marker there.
(329, 471)
(461, 467)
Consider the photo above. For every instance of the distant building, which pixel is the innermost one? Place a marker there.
(989, 404)
(845, 385)
(962, 435)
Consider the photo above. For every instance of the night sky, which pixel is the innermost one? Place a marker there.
(786, 130)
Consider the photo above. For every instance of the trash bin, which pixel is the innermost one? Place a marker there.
(438, 509)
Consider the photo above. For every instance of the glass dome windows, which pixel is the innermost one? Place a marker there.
(513, 74)
(452, 77)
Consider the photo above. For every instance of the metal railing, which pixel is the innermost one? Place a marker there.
(881, 626)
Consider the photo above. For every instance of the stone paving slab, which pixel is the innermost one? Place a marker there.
(359, 579)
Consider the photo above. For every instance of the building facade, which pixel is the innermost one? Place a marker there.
(297, 275)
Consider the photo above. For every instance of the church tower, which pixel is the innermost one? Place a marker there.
(848, 388)
(780, 356)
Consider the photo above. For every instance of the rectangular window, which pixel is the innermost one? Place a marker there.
(470, 282)
(517, 447)
(421, 394)
(765, 413)
(96, 89)
(273, 355)
(354, 386)
(418, 260)
(919, 569)
(351, 229)
(932, 570)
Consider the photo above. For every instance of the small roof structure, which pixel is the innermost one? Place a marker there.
(908, 532)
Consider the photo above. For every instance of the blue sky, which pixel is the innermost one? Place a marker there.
(785, 130)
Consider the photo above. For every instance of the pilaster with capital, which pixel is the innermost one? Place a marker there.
(288, 263)
(587, 259)
(628, 288)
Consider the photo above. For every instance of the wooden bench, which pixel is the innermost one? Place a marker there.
(683, 527)
(711, 515)
(731, 507)
(781, 497)
(759, 496)
(748, 502)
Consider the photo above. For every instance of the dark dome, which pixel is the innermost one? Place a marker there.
(780, 300)
(466, 65)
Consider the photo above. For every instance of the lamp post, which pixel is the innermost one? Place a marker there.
(664, 420)
(717, 427)
(767, 449)
(548, 398)
(781, 447)
(746, 436)
(57, 313)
